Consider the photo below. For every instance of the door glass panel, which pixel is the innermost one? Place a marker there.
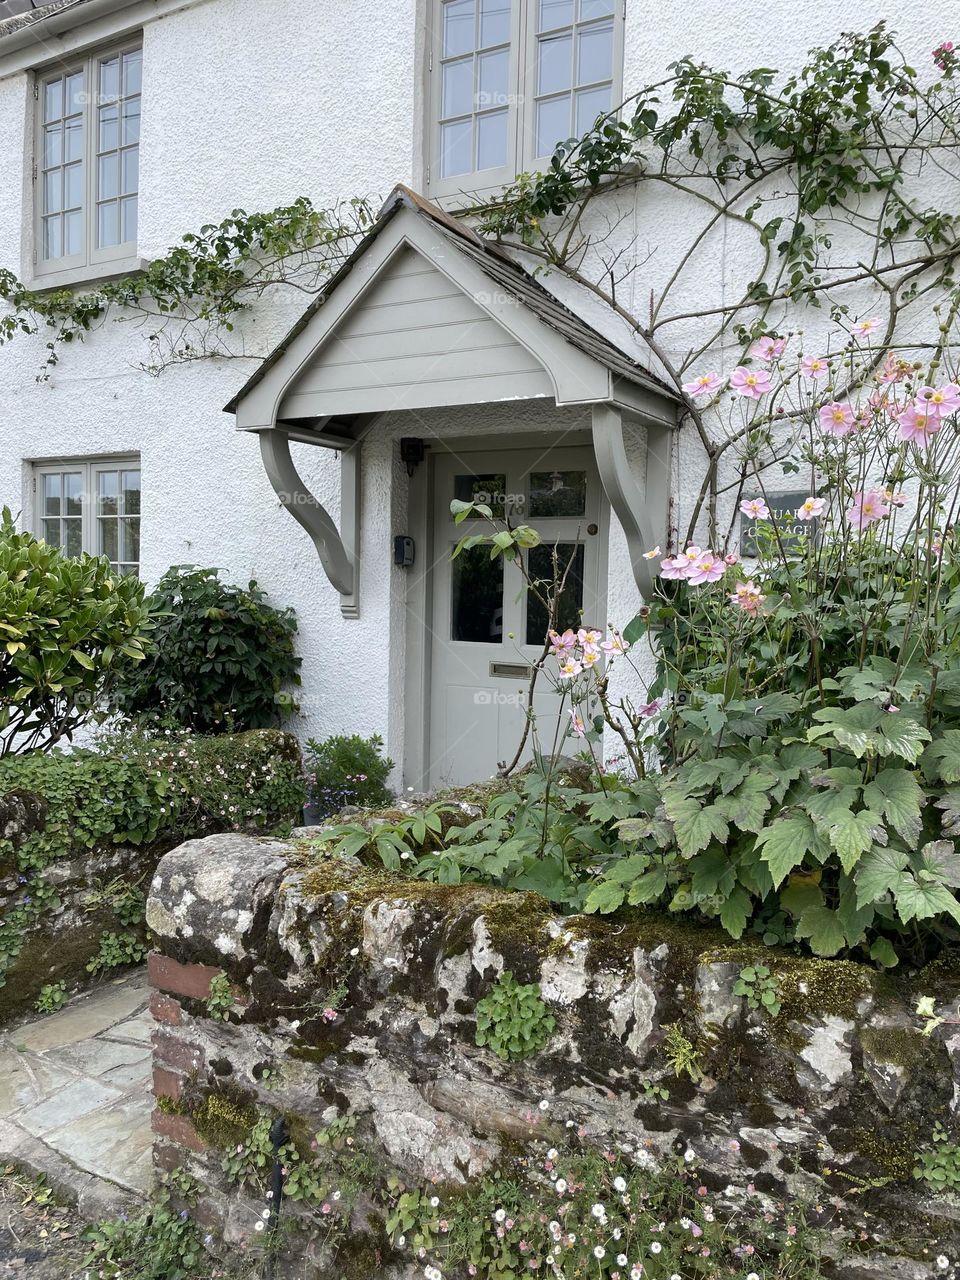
(490, 490)
(541, 568)
(558, 493)
(477, 597)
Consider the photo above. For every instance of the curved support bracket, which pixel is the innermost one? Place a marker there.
(642, 514)
(338, 553)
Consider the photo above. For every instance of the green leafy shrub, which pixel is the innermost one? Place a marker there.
(345, 770)
(512, 1020)
(939, 1165)
(759, 986)
(138, 790)
(220, 1001)
(66, 625)
(221, 659)
(53, 996)
(116, 951)
(160, 1242)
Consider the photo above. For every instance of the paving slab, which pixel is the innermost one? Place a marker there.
(78, 1098)
(103, 1008)
(75, 1095)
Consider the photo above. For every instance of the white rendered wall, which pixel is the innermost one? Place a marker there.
(250, 103)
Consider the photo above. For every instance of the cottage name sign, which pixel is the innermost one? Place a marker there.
(783, 516)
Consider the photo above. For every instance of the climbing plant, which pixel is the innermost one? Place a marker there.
(818, 178)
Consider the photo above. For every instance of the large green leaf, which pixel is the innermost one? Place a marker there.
(940, 859)
(694, 824)
(823, 930)
(944, 756)
(852, 834)
(897, 795)
(712, 872)
(924, 900)
(735, 912)
(879, 871)
(748, 804)
(901, 735)
(648, 887)
(783, 845)
(604, 897)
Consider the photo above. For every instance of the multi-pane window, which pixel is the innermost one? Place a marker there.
(574, 68)
(88, 152)
(93, 507)
(512, 78)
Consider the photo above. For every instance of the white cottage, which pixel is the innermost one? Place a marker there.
(432, 366)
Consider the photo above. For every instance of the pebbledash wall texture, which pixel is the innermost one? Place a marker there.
(251, 105)
(346, 1001)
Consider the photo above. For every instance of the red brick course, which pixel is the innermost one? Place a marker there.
(178, 1129)
(166, 1084)
(181, 979)
(171, 1051)
(165, 1009)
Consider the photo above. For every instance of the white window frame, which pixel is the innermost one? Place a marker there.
(91, 262)
(522, 94)
(89, 468)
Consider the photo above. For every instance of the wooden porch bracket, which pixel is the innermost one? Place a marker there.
(338, 549)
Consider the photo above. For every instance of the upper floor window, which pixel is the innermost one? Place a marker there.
(87, 161)
(510, 79)
(93, 506)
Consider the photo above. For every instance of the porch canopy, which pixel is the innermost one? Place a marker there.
(427, 314)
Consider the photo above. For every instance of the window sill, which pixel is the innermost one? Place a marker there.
(96, 273)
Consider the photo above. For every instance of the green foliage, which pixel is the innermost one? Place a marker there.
(160, 1242)
(760, 988)
(221, 657)
(598, 1215)
(53, 996)
(66, 625)
(682, 1055)
(221, 1000)
(138, 790)
(394, 842)
(939, 1164)
(513, 1020)
(345, 770)
(116, 951)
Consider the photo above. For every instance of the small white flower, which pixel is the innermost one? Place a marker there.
(335, 1196)
(434, 1201)
(599, 1212)
(561, 1186)
(258, 1226)
(753, 1276)
(943, 1261)
(552, 1153)
(571, 1238)
(599, 1251)
(402, 1241)
(621, 1259)
(355, 952)
(265, 1215)
(619, 1184)
(500, 1215)
(544, 1104)
(656, 1247)
(689, 1155)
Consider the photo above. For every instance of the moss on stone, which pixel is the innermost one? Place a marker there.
(223, 1119)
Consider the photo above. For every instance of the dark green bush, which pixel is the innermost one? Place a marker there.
(221, 660)
(64, 624)
(347, 770)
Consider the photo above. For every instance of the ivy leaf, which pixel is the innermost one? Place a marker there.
(783, 845)
(918, 900)
(694, 824)
(735, 912)
(823, 930)
(897, 795)
(879, 872)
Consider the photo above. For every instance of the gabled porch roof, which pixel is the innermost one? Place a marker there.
(423, 314)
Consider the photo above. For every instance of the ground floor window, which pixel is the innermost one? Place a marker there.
(90, 504)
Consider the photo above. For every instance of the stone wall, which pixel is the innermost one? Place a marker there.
(354, 996)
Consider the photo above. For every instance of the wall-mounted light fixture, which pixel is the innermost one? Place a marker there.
(411, 452)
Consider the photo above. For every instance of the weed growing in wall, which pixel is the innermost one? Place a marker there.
(512, 1020)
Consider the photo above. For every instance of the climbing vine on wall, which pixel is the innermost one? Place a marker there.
(842, 176)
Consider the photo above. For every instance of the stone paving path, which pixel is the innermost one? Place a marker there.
(75, 1096)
